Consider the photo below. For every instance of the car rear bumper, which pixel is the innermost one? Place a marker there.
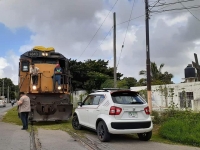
(130, 127)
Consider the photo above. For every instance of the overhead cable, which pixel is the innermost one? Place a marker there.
(126, 32)
(98, 29)
(190, 12)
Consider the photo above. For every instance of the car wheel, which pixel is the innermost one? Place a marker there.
(102, 132)
(75, 123)
(145, 136)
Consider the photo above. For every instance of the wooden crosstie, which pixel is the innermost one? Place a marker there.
(197, 66)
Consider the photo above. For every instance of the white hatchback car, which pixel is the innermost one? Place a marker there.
(2, 103)
(114, 112)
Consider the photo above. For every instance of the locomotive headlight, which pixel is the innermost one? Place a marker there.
(59, 87)
(34, 87)
(43, 54)
(46, 54)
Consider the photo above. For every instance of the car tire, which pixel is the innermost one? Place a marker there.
(145, 136)
(75, 123)
(102, 132)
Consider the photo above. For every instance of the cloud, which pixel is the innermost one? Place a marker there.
(9, 66)
(68, 26)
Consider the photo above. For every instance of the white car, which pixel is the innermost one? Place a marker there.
(2, 103)
(114, 112)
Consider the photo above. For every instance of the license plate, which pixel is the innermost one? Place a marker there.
(133, 114)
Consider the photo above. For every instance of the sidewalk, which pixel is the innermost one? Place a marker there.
(13, 138)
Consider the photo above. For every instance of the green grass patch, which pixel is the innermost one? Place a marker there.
(182, 127)
(12, 117)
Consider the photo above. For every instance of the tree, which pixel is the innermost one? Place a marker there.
(130, 81)
(108, 84)
(90, 74)
(157, 77)
(126, 83)
(12, 88)
(142, 82)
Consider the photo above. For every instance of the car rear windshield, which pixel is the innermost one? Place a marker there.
(127, 98)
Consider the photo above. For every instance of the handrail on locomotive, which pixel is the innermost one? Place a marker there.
(60, 88)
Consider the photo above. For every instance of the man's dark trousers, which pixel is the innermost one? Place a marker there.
(24, 118)
(35, 79)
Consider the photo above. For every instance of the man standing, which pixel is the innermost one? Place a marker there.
(24, 109)
(34, 73)
(57, 75)
(12, 102)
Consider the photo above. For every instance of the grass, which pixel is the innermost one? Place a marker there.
(183, 127)
(12, 117)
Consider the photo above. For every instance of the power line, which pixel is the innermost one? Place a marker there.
(177, 12)
(102, 41)
(130, 20)
(154, 5)
(192, 7)
(190, 11)
(126, 33)
(171, 3)
(98, 29)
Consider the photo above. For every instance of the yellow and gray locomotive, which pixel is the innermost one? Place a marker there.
(49, 101)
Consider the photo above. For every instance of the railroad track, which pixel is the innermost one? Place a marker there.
(36, 145)
(33, 141)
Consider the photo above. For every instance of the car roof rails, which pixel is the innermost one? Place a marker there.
(111, 89)
(115, 89)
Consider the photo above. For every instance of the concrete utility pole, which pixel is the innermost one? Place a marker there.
(8, 95)
(3, 88)
(114, 49)
(148, 62)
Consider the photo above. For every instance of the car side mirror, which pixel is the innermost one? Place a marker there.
(80, 103)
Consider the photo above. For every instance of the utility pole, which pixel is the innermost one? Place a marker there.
(114, 49)
(148, 62)
(8, 95)
(3, 88)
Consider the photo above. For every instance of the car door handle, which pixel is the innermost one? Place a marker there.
(97, 110)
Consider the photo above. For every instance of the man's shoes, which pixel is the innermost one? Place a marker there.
(24, 128)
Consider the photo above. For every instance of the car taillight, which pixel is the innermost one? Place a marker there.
(115, 110)
(146, 109)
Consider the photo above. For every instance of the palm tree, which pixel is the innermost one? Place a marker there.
(156, 74)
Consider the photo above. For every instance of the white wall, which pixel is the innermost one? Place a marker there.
(77, 97)
(170, 92)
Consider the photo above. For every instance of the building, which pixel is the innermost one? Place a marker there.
(182, 95)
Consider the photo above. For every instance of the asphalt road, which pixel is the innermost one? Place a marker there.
(122, 142)
(4, 109)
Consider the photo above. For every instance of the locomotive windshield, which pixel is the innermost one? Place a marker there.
(44, 60)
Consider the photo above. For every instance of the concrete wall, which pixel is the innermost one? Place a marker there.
(196, 105)
(77, 96)
(162, 95)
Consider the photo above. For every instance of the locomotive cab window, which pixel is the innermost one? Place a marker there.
(25, 66)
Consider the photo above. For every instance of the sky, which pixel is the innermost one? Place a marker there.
(69, 26)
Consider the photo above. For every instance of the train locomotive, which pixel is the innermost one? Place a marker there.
(49, 101)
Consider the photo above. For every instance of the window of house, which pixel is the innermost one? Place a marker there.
(185, 99)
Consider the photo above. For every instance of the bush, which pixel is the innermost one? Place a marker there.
(181, 126)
